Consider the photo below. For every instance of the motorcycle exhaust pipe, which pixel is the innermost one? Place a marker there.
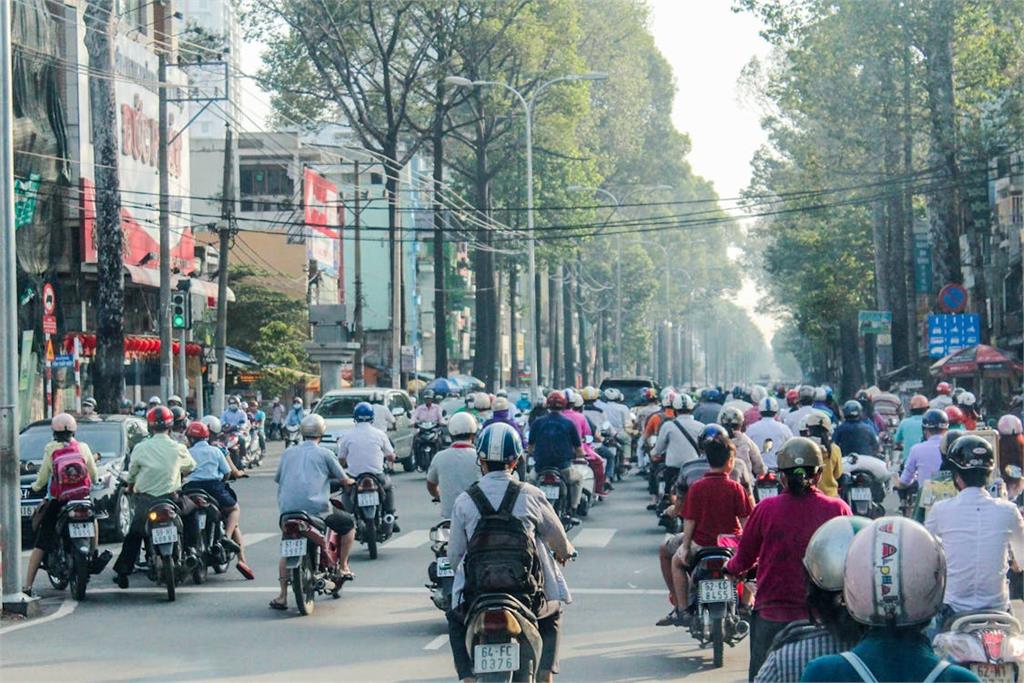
(319, 585)
(389, 518)
(742, 628)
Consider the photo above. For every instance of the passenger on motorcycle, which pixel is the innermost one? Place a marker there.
(154, 472)
(867, 411)
(707, 409)
(746, 449)
(855, 435)
(617, 412)
(304, 478)
(968, 404)
(911, 432)
(795, 418)
(818, 427)
(769, 428)
(454, 469)
(499, 448)
(925, 459)
(956, 418)
(715, 505)
(943, 396)
(210, 475)
(753, 413)
(364, 448)
(64, 427)
(555, 443)
(775, 538)
(587, 437)
(427, 411)
(179, 425)
(894, 648)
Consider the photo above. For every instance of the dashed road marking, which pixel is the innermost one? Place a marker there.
(410, 539)
(253, 539)
(593, 538)
(436, 643)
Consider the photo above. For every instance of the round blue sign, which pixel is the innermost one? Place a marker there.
(953, 299)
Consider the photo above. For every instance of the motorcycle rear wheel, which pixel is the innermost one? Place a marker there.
(169, 575)
(79, 576)
(718, 641)
(54, 565)
(371, 538)
(302, 586)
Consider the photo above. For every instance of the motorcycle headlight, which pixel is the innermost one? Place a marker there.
(440, 534)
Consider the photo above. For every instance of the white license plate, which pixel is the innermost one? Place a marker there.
(766, 492)
(993, 673)
(716, 590)
(28, 510)
(80, 530)
(860, 493)
(444, 568)
(495, 658)
(201, 518)
(368, 499)
(551, 492)
(293, 547)
(661, 488)
(165, 534)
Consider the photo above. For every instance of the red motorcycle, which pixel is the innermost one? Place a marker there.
(311, 553)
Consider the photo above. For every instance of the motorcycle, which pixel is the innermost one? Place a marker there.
(587, 498)
(291, 435)
(210, 545)
(556, 489)
(165, 557)
(440, 572)
(311, 551)
(425, 444)
(373, 525)
(231, 441)
(767, 485)
(713, 598)
(253, 445)
(908, 499)
(864, 485)
(613, 446)
(990, 644)
(73, 558)
(666, 478)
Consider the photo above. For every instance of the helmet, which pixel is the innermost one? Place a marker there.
(174, 401)
(427, 395)
(943, 388)
(955, 415)
(140, 406)
(714, 438)
(816, 418)
(233, 401)
(212, 423)
(501, 392)
(159, 418)
(363, 412)
(197, 431)
(805, 392)
(245, 405)
(90, 402)
(668, 398)
(590, 394)
(649, 395)
(254, 403)
(971, 452)
(967, 399)
(556, 401)
(918, 401)
(469, 398)
(825, 556)
(799, 452)
(768, 406)
(946, 442)
(757, 393)
(313, 426)
(126, 404)
(820, 394)
(296, 401)
(852, 410)
(682, 403)
(730, 417)
(1009, 425)
(499, 442)
(577, 399)
(500, 403)
(155, 401)
(63, 422)
(462, 424)
(895, 574)
(792, 396)
(482, 401)
(180, 416)
(935, 419)
(609, 393)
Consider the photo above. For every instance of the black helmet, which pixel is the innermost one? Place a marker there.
(180, 417)
(427, 394)
(714, 439)
(852, 410)
(971, 452)
(935, 419)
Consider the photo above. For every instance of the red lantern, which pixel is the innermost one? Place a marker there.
(153, 346)
(175, 347)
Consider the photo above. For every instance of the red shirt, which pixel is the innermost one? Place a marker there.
(775, 538)
(715, 503)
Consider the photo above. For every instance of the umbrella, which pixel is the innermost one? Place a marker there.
(440, 386)
(978, 360)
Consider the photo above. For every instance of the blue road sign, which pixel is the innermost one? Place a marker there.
(951, 332)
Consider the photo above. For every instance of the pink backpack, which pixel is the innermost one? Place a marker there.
(70, 479)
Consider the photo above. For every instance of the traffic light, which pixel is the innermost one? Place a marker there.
(181, 309)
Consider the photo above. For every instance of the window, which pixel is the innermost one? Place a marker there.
(397, 400)
(265, 180)
(376, 179)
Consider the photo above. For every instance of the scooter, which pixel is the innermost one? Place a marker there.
(767, 486)
(165, 557)
(581, 467)
(426, 444)
(990, 644)
(211, 546)
(713, 598)
(73, 557)
(440, 572)
(864, 485)
(311, 551)
(291, 435)
(555, 488)
(373, 525)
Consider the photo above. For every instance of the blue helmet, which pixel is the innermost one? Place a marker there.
(363, 412)
(499, 442)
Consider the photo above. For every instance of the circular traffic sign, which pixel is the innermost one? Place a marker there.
(49, 299)
(953, 299)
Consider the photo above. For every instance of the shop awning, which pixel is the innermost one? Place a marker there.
(150, 277)
(209, 289)
(239, 359)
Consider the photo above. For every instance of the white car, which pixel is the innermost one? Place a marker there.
(336, 407)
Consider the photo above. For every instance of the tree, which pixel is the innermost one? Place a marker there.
(258, 308)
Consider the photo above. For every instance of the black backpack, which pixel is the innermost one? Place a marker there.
(501, 556)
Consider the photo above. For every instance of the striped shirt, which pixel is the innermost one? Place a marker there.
(793, 648)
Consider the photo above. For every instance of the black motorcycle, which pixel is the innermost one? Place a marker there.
(373, 525)
(556, 489)
(440, 572)
(207, 541)
(166, 559)
(713, 597)
(426, 443)
(73, 557)
(862, 490)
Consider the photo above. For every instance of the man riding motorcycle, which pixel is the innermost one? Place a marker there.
(854, 435)
(454, 469)
(427, 411)
(295, 414)
(364, 448)
(234, 419)
(769, 428)
(747, 450)
(555, 443)
(818, 427)
(795, 418)
(677, 440)
(943, 398)
(910, 432)
(925, 460)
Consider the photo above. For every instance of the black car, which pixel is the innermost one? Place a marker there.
(110, 438)
(631, 387)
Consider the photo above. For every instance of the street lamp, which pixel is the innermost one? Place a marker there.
(460, 82)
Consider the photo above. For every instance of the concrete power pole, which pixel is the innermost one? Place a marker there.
(357, 314)
(227, 213)
(164, 316)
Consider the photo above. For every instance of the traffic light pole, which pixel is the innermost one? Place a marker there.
(166, 373)
(182, 375)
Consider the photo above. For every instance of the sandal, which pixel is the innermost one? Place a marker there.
(275, 604)
(245, 571)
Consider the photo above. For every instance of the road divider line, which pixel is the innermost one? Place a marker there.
(253, 539)
(411, 539)
(593, 538)
(436, 643)
(66, 608)
(358, 590)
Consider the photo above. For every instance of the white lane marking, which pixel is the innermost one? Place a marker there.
(593, 538)
(436, 643)
(411, 539)
(253, 539)
(66, 608)
(367, 590)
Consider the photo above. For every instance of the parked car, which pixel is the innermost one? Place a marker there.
(631, 387)
(111, 439)
(336, 407)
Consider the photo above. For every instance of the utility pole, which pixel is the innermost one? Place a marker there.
(357, 315)
(166, 370)
(227, 211)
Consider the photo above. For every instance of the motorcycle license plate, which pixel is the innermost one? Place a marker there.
(201, 519)
(993, 673)
(716, 590)
(495, 658)
(293, 547)
(444, 568)
(766, 492)
(27, 510)
(368, 499)
(165, 534)
(860, 493)
(80, 530)
(551, 492)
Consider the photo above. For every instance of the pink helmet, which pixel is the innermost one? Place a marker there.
(895, 574)
(1009, 425)
(63, 422)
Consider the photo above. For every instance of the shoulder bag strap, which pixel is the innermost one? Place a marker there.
(859, 666)
(937, 671)
(696, 448)
(480, 500)
(509, 500)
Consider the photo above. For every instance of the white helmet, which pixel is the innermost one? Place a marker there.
(482, 400)
(577, 399)
(462, 424)
(155, 401)
(312, 426)
(668, 397)
(820, 394)
(768, 406)
(967, 399)
(825, 556)
(175, 400)
(895, 574)
(212, 423)
(63, 422)
(1009, 425)
(501, 393)
(758, 393)
(682, 402)
(500, 403)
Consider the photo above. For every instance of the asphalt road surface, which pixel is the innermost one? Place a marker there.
(383, 628)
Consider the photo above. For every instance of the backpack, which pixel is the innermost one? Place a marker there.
(501, 556)
(70, 479)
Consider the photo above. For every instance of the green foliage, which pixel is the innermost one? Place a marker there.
(266, 323)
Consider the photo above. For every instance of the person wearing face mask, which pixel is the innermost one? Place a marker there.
(818, 428)
(295, 415)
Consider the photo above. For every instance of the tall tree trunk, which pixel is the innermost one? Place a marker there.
(908, 200)
(483, 256)
(899, 298)
(554, 296)
(851, 376)
(440, 304)
(108, 376)
(582, 324)
(568, 336)
(513, 282)
(538, 326)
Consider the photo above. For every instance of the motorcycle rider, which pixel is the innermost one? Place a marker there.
(154, 472)
(955, 416)
(677, 441)
(818, 427)
(805, 398)
(968, 405)
(775, 538)
(943, 396)
(822, 401)
(854, 435)
(64, 427)
(277, 412)
(89, 410)
(154, 401)
(482, 406)
(894, 648)
(651, 427)
(499, 448)
(746, 449)
(708, 407)
(555, 442)
(234, 419)
(454, 469)
(258, 419)
(769, 428)
(364, 448)
(911, 432)
(303, 480)
(212, 470)
(427, 411)
(792, 399)
(925, 459)
(830, 629)
(752, 414)
(124, 407)
(523, 404)
(179, 425)
(295, 415)
(594, 461)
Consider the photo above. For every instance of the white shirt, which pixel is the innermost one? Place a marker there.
(363, 449)
(677, 448)
(795, 419)
(617, 415)
(940, 402)
(382, 417)
(976, 530)
(769, 428)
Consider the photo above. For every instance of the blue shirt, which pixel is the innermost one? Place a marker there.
(896, 656)
(295, 416)
(910, 432)
(856, 437)
(211, 465)
(235, 418)
(554, 439)
(524, 405)
(304, 479)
